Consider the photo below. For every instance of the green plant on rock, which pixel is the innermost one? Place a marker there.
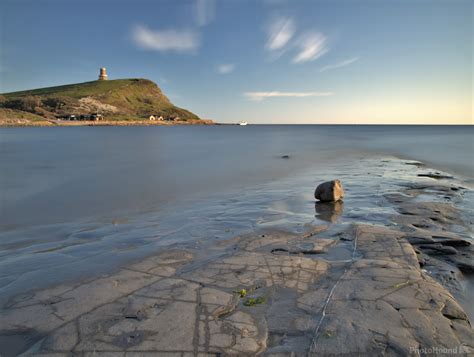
(242, 292)
(255, 301)
(328, 333)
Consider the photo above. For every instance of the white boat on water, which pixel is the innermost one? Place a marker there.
(243, 123)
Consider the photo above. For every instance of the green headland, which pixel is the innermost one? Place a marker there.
(104, 101)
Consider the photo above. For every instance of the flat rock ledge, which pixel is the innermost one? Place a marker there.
(252, 299)
(384, 304)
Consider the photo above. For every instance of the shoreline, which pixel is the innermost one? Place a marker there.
(26, 123)
(310, 287)
(21, 123)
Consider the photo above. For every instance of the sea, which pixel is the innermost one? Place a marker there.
(77, 202)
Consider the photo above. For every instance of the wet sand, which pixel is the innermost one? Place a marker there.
(397, 281)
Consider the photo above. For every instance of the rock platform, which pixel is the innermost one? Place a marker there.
(377, 301)
(354, 289)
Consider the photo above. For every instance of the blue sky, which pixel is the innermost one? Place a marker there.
(267, 61)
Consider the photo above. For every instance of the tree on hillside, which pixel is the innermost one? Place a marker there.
(58, 103)
(27, 104)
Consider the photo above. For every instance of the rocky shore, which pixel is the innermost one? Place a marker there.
(360, 289)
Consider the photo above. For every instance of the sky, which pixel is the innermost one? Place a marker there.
(262, 61)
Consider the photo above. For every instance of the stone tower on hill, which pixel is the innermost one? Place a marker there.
(103, 74)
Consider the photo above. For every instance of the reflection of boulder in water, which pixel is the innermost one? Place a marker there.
(329, 211)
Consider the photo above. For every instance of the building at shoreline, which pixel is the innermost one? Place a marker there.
(103, 74)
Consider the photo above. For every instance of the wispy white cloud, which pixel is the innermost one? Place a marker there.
(165, 40)
(339, 64)
(225, 68)
(280, 33)
(259, 96)
(205, 11)
(312, 46)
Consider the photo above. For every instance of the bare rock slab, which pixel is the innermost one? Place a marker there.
(379, 302)
(384, 304)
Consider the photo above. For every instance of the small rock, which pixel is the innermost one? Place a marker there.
(465, 266)
(285, 156)
(330, 191)
(438, 249)
(414, 240)
(435, 175)
(463, 262)
(415, 163)
(453, 242)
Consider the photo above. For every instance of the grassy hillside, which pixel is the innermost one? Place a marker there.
(115, 99)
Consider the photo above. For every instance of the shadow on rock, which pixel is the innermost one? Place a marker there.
(329, 211)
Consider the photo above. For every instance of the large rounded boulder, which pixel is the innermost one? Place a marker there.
(330, 191)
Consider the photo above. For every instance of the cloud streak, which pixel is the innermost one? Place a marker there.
(308, 46)
(205, 12)
(165, 40)
(260, 96)
(280, 33)
(339, 64)
(225, 68)
(312, 46)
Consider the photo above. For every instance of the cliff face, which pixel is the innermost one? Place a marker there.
(126, 99)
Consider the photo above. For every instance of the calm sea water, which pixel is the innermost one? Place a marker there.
(52, 175)
(83, 199)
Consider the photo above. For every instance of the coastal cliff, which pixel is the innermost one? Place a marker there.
(113, 102)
